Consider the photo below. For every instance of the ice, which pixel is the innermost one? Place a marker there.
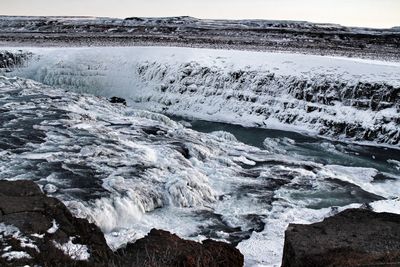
(225, 135)
(364, 178)
(355, 175)
(304, 93)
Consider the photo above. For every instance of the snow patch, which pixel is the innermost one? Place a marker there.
(390, 205)
(53, 228)
(16, 255)
(13, 232)
(75, 251)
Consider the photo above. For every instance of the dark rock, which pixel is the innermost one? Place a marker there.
(23, 205)
(153, 130)
(183, 149)
(118, 100)
(354, 237)
(134, 19)
(11, 60)
(161, 248)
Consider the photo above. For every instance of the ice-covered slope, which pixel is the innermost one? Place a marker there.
(340, 98)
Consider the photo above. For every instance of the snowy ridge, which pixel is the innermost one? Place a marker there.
(340, 98)
(61, 24)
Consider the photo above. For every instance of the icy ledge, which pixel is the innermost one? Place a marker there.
(340, 98)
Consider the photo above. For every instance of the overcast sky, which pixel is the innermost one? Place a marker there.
(371, 13)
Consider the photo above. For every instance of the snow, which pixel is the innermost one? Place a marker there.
(53, 228)
(75, 251)
(258, 89)
(364, 178)
(38, 236)
(396, 163)
(50, 188)
(16, 255)
(13, 232)
(390, 205)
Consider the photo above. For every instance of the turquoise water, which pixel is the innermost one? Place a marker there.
(310, 148)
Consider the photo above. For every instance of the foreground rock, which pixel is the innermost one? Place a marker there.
(160, 248)
(36, 229)
(353, 237)
(39, 230)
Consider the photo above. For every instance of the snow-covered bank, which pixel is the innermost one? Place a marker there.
(340, 98)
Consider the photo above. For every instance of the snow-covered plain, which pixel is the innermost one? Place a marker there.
(129, 170)
(340, 98)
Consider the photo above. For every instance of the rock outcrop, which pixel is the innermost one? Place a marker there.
(354, 237)
(42, 231)
(117, 100)
(161, 248)
(39, 230)
(298, 36)
(10, 60)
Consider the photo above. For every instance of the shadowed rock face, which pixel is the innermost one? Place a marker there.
(9, 60)
(353, 237)
(44, 222)
(161, 248)
(36, 229)
(117, 100)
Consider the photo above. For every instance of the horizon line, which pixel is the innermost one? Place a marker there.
(187, 16)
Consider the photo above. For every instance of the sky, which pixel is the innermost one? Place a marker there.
(367, 13)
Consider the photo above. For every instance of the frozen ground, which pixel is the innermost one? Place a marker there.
(129, 170)
(261, 35)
